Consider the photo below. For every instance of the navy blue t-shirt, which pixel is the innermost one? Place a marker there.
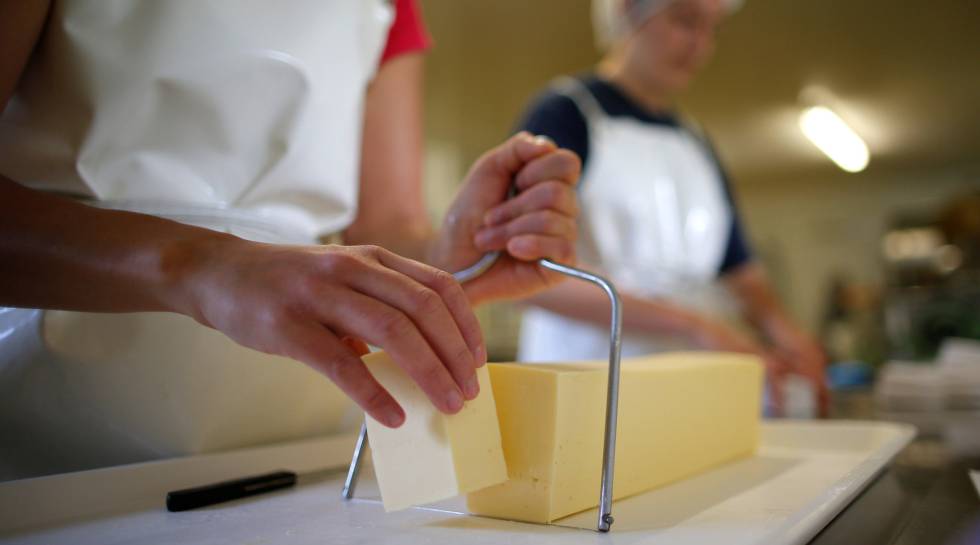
(555, 115)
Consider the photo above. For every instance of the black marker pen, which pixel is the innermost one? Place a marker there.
(200, 496)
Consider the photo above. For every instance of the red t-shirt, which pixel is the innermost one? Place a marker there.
(408, 33)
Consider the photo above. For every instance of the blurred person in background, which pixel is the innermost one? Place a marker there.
(179, 161)
(657, 211)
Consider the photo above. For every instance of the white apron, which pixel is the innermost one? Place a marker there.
(654, 220)
(235, 115)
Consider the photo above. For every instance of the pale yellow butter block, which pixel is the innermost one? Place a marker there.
(679, 414)
(433, 456)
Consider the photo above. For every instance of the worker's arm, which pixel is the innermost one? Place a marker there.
(641, 315)
(538, 223)
(789, 341)
(300, 302)
(297, 301)
(391, 211)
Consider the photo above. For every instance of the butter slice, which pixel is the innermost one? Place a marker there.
(433, 456)
(679, 414)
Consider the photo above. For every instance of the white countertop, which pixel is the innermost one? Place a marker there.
(803, 475)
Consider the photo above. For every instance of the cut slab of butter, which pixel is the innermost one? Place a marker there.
(679, 414)
(433, 456)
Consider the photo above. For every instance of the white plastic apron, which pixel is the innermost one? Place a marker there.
(241, 116)
(654, 219)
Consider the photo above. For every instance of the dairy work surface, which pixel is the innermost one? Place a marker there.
(804, 474)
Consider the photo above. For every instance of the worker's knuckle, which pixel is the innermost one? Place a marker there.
(545, 221)
(392, 324)
(569, 227)
(432, 375)
(524, 178)
(553, 216)
(371, 251)
(373, 399)
(308, 285)
(340, 370)
(442, 281)
(463, 361)
(340, 263)
(450, 288)
(569, 159)
(274, 317)
(425, 301)
(553, 193)
(511, 208)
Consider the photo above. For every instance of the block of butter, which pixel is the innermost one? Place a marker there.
(433, 456)
(679, 414)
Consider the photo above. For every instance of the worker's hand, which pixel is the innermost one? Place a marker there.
(804, 356)
(716, 335)
(315, 303)
(539, 222)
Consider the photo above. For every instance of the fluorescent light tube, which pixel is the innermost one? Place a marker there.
(832, 136)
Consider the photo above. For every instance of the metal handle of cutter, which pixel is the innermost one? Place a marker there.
(605, 519)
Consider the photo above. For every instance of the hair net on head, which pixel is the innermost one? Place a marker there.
(611, 19)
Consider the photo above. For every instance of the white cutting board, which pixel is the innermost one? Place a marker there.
(803, 475)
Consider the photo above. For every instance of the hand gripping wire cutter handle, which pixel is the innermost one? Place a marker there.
(612, 392)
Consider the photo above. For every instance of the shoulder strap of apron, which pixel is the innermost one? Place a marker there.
(584, 100)
(587, 105)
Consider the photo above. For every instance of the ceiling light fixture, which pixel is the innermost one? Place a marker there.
(832, 136)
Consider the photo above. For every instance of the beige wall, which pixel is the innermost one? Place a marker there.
(811, 230)
(490, 57)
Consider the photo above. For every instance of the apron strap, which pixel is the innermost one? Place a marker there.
(584, 100)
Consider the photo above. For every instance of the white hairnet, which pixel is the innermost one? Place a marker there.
(611, 19)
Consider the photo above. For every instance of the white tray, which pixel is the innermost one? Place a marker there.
(803, 475)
